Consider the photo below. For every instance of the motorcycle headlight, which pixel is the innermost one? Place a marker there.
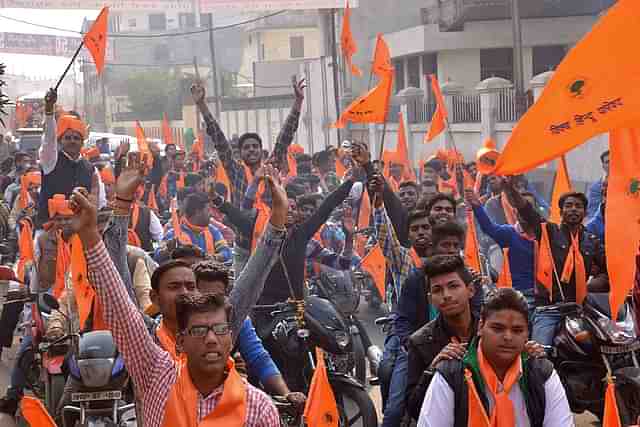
(95, 373)
(342, 339)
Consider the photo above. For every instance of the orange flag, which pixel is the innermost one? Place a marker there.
(544, 261)
(198, 146)
(175, 221)
(151, 200)
(375, 264)
(35, 413)
(340, 169)
(371, 107)
(25, 245)
(364, 216)
(221, 176)
(167, 135)
(438, 121)
(349, 47)
(83, 291)
(504, 279)
(561, 185)
(611, 416)
(622, 214)
(96, 39)
(471, 253)
(402, 152)
(321, 409)
(584, 97)
(143, 145)
(381, 58)
(292, 165)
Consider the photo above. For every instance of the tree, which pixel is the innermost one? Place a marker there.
(152, 93)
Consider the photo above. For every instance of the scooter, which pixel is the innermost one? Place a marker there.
(589, 346)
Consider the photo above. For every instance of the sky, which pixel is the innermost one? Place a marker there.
(40, 65)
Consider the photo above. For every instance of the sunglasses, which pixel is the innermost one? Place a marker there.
(76, 138)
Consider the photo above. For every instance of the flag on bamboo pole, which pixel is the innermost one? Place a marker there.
(622, 214)
(561, 185)
(320, 409)
(374, 263)
(348, 44)
(381, 58)
(371, 107)
(438, 121)
(96, 39)
(585, 97)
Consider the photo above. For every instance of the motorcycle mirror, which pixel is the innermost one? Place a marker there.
(51, 301)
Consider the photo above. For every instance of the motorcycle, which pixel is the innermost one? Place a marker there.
(343, 290)
(588, 346)
(99, 381)
(292, 341)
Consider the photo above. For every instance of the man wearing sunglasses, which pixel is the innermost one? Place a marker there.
(63, 168)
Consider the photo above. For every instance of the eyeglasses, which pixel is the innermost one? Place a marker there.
(201, 331)
(72, 137)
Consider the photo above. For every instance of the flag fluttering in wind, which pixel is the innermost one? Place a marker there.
(198, 146)
(348, 44)
(590, 93)
(544, 261)
(611, 416)
(402, 151)
(321, 409)
(143, 145)
(374, 263)
(471, 248)
(381, 59)
(371, 107)
(622, 214)
(504, 279)
(167, 135)
(35, 413)
(561, 185)
(439, 119)
(96, 39)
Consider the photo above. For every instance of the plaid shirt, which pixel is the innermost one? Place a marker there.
(234, 168)
(398, 257)
(153, 370)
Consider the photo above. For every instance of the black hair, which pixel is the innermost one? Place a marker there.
(294, 190)
(441, 196)
(163, 268)
(408, 184)
(248, 135)
(520, 178)
(321, 157)
(434, 164)
(308, 199)
(448, 229)
(530, 194)
(303, 158)
(438, 265)
(187, 251)
(428, 182)
(19, 155)
(194, 203)
(188, 304)
(505, 299)
(192, 179)
(212, 271)
(415, 215)
(603, 155)
(575, 194)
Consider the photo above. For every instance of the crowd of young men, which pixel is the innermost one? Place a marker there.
(457, 349)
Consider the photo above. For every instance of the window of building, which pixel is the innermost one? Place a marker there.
(296, 43)
(413, 71)
(187, 20)
(430, 63)
(157, 21)
(496, 63)
(398, 66)
(547, 58)
(132, 23)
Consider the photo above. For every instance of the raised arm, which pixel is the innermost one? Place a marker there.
(49, 148)
(322, 214)
(250, 283)
(290, 126)
(499, 233)
(528, 212)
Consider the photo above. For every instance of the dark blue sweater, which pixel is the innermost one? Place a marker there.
(521, 250)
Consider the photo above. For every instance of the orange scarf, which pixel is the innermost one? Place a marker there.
(26, 248)
(417, 261)
(575, 263)
(63, 260)
(261, 223)
(503, 414)
(196, 229)
(164, 186)
(85, 294)
(168, 341)
(181, 408)
(509, 211)
(133, 238)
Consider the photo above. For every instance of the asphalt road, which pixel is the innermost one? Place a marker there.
(366, 315)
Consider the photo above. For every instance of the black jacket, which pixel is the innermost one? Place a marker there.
(423, 346)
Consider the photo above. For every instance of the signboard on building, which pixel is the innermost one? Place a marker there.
(176, 5)
(44, 44)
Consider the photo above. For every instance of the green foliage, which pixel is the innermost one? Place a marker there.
(151, 93)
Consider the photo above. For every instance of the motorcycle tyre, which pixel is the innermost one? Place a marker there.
(53, 391)
(360, 360)
(361, 399)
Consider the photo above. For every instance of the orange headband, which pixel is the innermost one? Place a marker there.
(59, 205)
(69, 122)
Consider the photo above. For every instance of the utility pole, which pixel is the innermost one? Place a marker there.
(334, 57)
(518, 66)
(214, 68)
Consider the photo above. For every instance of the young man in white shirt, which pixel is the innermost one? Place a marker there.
(497, 384)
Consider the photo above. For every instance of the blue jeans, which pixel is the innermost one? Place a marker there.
(530, 296)
(18, 380)
(394, 403)
(544, 326)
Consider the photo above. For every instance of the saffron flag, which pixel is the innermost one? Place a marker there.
(374, 263)
(198, 146)
(471, 253)
(381, 58)
(561, 185)
(371, 107)
(439, 119)
(96, 39)
(402, 152)
(35, 413)
(611, 416)
(349, 47)
(167, 135)
(544, 261)
(26, 248)
(504, 279)
(321, 409)
(364, 217)
(585, 97)
(175, 222)
(622, 214)
(143, 146)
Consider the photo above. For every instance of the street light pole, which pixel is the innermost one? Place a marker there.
(518, 66)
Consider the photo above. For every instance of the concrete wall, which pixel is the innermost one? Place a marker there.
(461, 66)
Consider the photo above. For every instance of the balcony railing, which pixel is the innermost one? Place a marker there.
(465, 108)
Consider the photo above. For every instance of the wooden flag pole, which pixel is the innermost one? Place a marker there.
(75, 55)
